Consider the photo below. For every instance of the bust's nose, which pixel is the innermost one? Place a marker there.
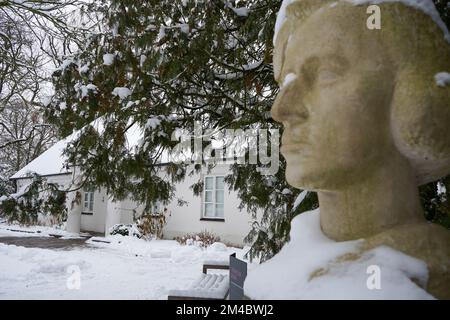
(288, 106)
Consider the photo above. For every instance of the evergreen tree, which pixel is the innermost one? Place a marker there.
(443, 6)
(163, 65)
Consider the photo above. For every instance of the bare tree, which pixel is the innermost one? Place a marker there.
(34, 38)
(23, 136)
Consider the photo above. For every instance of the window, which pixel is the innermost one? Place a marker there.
(213, 199)
(156, 208)
(88, 201)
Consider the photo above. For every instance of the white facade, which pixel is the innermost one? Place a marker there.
(215, 211)
(232, 227)
(99, 215)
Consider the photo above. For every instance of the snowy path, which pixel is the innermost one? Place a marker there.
(44, 242)
(125, 269)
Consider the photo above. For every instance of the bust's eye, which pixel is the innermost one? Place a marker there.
(327, 76)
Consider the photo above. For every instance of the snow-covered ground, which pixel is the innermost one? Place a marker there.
(131, 268)
(126, 268)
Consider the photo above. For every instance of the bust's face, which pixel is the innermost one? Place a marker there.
(336, 111)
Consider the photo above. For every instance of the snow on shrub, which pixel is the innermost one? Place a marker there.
(125, 230)
(218, 246)
(202, 239)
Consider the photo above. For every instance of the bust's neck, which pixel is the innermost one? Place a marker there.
(382, 200)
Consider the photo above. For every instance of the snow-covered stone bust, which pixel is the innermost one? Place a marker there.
(366, 117)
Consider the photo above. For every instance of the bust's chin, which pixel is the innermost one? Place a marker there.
(299, 176)
(319, 176)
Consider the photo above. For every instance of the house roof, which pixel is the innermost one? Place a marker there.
(53, 162)
(50, 162)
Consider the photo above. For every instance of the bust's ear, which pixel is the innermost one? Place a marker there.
(420, 121)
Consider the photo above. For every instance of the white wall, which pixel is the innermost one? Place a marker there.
(187, 219)
(96, 221)
(127, 210)
(181, 220)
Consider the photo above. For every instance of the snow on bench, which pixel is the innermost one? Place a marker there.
(207, 286)
(217, 262)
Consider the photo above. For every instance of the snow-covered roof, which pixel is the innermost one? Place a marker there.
(53, 162)
(48, 163)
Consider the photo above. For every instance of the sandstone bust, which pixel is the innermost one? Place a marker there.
(365, 122)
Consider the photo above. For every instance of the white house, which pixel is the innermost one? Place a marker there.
(216, 210)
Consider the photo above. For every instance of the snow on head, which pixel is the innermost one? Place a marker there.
(281, 18)
(308, 268)
(442, 79)
(426, 6)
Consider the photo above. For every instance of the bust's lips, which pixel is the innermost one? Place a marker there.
(291, 140)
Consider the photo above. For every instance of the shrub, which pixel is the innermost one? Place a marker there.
(125, 230)
(151, 225)
(202, 239)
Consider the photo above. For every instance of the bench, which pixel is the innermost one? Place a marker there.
(215, 264)
(206, 286)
